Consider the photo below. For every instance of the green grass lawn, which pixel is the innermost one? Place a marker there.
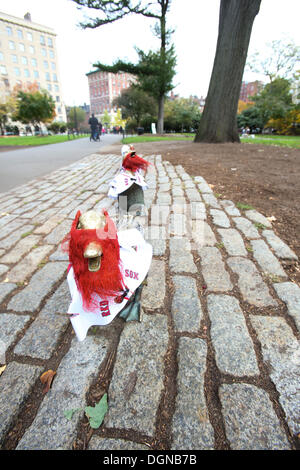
(284, 141)
(281, 140)
(36, 140)
(156, 138)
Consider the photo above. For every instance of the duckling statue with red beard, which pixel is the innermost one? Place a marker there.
(129, 183)
(106, 272)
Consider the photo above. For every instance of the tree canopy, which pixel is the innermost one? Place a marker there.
(135, 104)
(34, 107)
(278, 59)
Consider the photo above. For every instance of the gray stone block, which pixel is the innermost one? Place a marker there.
(39, 286)
(233, 242)
(15, 384)
(281, 351)
(213, 269)
(250, 420)
(265, 258)
(186, 307)
(138, 376)
(51, 430)
(289, 293)
(191, 427)
(233, 345)
(281, 249)
(250, 283)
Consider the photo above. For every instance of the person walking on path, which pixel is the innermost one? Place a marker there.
(93, 122)
(99, 129)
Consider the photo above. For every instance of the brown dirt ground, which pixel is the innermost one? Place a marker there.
(265, 177)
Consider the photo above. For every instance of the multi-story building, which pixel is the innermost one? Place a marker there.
(28, 55)
(104, 87)
(249, 89)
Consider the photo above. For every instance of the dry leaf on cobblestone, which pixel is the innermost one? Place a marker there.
(2, 369)
(46, 378)
(272, 218)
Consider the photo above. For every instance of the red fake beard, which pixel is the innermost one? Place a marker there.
(133, 162)
(107, 282)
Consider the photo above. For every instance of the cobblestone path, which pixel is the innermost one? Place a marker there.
(214, 364)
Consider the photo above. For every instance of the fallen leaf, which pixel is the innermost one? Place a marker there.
(69, 413)
(96, 413)
(46, 378)
(272, 218)
(2, 369)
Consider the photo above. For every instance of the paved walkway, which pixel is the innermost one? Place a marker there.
(19, 166)
(214, 364)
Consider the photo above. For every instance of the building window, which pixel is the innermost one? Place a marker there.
(9, 30)
(46, 65)
(49, 86)
(36, 74)
(32, 49)
(42, 40)
(24, 60)
(26, 73)
(34, 62)
(53, 66)
(51, 53)
(50, 42)
(14, 58)
(21, 47)
(47, 75)
(17, 71)
(44, 52)
(56, 87)
(11, 45)
(29, 36)
(20, 34)
(1, 56)
(3, 70)
(57, 99)
(54, 77)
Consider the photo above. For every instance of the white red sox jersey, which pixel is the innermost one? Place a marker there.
(136, 256)
(123, 180)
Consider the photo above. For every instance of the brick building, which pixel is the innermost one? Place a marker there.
(28, 55)
(249, 89)
(104, 87)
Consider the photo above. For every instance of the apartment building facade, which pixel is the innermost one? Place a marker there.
(27, 55)
(249, 89)
(104, 87)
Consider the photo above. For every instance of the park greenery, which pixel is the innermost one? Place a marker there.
(154, 70)
(274, 109)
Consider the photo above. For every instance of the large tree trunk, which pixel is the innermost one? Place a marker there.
(218, 122)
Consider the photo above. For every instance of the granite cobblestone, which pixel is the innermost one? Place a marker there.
(204, 305)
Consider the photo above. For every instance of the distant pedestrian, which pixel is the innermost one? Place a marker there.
(100, 129)
(93, 122)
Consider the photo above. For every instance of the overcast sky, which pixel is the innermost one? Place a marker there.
(195, 23)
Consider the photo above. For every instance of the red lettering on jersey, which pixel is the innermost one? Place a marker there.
(104, 307)
(131, 274)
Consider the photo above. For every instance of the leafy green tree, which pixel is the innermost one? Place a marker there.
(182, 115)
(155, 70)
(218, 122)
(136, 104)
(252, 118)
(106, 119)
(76, 116)
(275, 100)
(34, 108)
